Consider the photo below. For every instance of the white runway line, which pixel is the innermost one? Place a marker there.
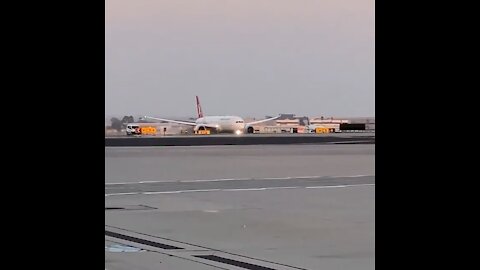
(341, 186)
(126, 193)
(243, 189)
(180, 191)
(234, 189)
(213, 180)
(236, 179)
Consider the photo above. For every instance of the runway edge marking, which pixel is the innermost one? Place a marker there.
(232, 190)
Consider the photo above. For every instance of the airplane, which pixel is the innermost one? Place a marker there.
(218, 124)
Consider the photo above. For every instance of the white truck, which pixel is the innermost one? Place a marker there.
(133, 129)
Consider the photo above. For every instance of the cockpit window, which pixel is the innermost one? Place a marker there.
(239, 122)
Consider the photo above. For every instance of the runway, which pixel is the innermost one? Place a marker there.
(137, 164)
(240, 207)
(162, 187)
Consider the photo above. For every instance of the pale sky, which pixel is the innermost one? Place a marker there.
(242, 57)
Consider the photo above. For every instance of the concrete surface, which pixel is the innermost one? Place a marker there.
(301, 219)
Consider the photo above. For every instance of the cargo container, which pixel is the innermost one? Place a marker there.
(352, 127)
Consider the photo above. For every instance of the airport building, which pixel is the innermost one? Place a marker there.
(322, 120)
(281, 129)
(286, 123)
(292, 120)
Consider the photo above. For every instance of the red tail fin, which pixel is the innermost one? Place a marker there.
(199, 109)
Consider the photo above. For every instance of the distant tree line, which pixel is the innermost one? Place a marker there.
(121, 124)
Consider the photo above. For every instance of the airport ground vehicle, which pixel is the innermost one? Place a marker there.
(203, 132)
(135, 129)
(320, 129)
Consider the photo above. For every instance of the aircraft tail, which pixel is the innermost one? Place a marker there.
(199, 108)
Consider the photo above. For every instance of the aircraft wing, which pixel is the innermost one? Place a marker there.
(171, 121)
(264, 120)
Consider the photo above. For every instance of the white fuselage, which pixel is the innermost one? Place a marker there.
(234, 124)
